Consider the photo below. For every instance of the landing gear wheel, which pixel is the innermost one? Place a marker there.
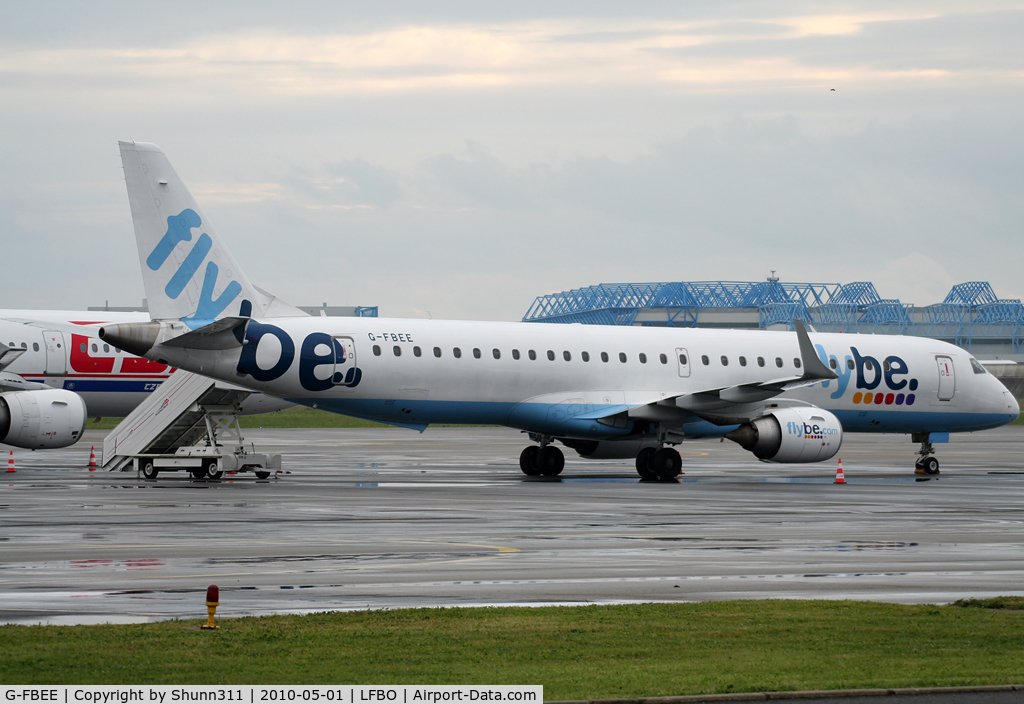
(198, 473)
(551, 461)
(261, 473)
(212, 470)
(666, 464)
(930, 465)
(643, 464)
(529, 462)
(149, 471)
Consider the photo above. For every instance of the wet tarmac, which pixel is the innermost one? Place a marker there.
(391, 518)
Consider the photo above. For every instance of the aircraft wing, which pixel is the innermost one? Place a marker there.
(732, 404)
(9, 354)
(14, 382)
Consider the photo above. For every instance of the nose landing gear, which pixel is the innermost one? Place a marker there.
(926, 463)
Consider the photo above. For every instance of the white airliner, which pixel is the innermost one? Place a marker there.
(55, 373)
(603, 391)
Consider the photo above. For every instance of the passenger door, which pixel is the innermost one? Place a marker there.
(947, 381)
(56, 357)
(345, 372)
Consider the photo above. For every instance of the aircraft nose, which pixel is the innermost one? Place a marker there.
(1002, 401)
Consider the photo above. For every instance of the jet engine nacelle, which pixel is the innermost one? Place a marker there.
(798, 434)
(44, 419)
(608, 449)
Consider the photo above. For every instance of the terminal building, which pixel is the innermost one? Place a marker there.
(971, 316)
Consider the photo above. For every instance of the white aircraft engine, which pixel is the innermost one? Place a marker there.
(798, 434)
(44, 419)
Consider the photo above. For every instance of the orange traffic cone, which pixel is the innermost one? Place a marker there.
(10, 462)
(840, 479)
(92, 459)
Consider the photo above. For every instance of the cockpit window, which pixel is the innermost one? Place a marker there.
(976, 366)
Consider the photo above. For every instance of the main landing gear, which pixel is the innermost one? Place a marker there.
(544, 460)
(663, 464)
(926, 463)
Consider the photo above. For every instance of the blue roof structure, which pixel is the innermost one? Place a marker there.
(970, 312)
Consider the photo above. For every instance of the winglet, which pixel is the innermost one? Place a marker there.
(814, 368)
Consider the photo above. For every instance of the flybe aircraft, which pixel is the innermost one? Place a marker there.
(55, 373)
(602, 391)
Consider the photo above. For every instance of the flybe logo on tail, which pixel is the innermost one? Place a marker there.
(179, 229)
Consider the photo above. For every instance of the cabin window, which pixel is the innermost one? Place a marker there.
(663, 358)
(796, 362)
(868, 365)
(566, 355)
(437, 352)
(622, 357)
(95, 349)
(643, 358)
(476, 352)
(832, 362)
(106, 348)
(397, 350)
(515, 354)
(604, 356)
(35, 346)
(849, 364)
(417, 352)
(743, 361)
(778, 362)
(886, 366)
(725, 361)
(682, 359)
(975, 365)
(456, 352)
(551, 355)
(760, 361)
(585, 356)
(704, 360)
(81, 347)
(496, 352)
(376, 350)
(533, 355)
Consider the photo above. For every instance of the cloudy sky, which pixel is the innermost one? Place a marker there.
(458, 159)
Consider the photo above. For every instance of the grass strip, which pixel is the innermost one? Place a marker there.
(575, 652)
(1014, 603)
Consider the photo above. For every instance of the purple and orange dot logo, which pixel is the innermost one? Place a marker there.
(885, 399)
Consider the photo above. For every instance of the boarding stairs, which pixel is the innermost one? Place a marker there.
(190, 423)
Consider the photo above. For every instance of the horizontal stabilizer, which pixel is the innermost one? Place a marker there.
(222, 334)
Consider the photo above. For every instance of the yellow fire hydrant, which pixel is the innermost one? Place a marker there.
(212, 600)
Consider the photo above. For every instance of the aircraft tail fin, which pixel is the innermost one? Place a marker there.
(187, 271)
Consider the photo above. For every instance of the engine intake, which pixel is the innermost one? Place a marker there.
(799, 434)
(41, 420)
